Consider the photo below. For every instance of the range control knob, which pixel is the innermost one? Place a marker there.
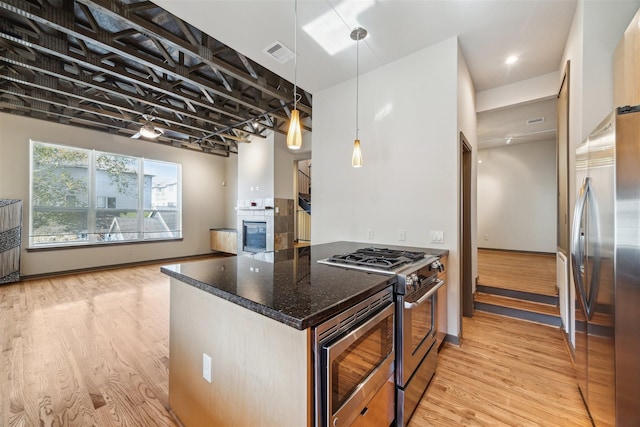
(408, 282)
(436, 266)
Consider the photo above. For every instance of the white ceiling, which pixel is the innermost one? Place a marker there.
(495, 127)
(488, 30)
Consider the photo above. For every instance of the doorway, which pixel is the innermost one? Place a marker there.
(517, 205)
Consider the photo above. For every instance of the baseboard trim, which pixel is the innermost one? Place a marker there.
(518, 251)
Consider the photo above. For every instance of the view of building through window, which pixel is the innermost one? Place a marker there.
(83, 196)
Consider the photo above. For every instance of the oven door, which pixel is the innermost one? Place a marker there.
(419, 328)
(355, 366)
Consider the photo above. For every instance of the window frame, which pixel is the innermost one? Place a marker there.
(93, 235)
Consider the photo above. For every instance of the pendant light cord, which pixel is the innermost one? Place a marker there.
(357, 78)
(295, 56)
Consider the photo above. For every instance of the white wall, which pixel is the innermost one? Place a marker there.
(284, 168)
(230, 192)
(255, 168)
(409, 134)
(202, 202)
(266, 168)
(517, 197)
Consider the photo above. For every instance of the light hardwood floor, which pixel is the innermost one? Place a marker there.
(518, 271)
(507, 372)
(92, 349)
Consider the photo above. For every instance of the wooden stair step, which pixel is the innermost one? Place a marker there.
(528, 296)
(547, 314)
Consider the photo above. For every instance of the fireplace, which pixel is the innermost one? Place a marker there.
(254, 236)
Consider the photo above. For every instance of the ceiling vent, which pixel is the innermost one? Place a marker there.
(279, 52)
(536, 120)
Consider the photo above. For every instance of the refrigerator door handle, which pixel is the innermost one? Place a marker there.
(586, 203)
(595, 243)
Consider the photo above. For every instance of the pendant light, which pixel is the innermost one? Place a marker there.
(357, 35)
(294, 136)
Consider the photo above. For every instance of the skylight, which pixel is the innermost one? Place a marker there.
(331, 30)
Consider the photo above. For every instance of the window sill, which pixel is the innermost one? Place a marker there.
(95, 245)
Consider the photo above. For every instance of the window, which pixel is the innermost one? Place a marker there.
(88, 197)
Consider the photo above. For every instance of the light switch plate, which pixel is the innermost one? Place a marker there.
(437, 236)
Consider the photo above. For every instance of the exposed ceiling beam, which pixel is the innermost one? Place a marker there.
(103, 64)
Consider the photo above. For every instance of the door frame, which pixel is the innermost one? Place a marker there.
(466, 273)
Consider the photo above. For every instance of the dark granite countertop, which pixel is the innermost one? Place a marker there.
(289, 286)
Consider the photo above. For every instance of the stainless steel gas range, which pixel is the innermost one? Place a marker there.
(415, 290)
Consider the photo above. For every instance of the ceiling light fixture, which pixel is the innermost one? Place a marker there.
(508, 141)
(148, 130)
(294, 136)
(357, 35)
(511, 60)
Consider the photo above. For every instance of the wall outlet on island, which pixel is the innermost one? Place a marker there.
(206, 367)
(437, 236)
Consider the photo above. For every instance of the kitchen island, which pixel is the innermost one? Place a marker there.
(253, 316)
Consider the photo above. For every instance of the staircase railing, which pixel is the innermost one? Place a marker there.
(303, 212)
(304, 183)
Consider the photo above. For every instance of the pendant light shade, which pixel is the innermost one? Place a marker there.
(294, 136)
(356, 159)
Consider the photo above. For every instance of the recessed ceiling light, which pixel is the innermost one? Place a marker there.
(510, 60)
(508, 141)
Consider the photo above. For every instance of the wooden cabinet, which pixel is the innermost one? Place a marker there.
(260, 368)
(224, 240)
(380, 411)
(626, 66)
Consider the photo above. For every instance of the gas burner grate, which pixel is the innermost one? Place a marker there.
(391, 253)
(368, 260)
(377, 258)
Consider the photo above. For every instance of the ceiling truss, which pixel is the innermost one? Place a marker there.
(110, 65)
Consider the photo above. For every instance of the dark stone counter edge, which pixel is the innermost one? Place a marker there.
(295, 322)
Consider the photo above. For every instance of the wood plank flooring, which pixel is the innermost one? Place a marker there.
(507, 372)
(86, 350)
(518, 271)
(92, 349)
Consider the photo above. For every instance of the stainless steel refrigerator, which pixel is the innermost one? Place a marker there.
(605, 255)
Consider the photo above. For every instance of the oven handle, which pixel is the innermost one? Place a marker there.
(423, 298)
(335, 347)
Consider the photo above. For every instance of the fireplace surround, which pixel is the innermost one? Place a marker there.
(277, 216)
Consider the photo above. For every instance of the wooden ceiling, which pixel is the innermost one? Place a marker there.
(115, 65)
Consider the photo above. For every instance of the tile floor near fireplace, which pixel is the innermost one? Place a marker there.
(277, 216)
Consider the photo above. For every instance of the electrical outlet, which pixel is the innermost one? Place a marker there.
(437, 236)
(402, 235)
(206, 367)
(486, 237)
(369, 233)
